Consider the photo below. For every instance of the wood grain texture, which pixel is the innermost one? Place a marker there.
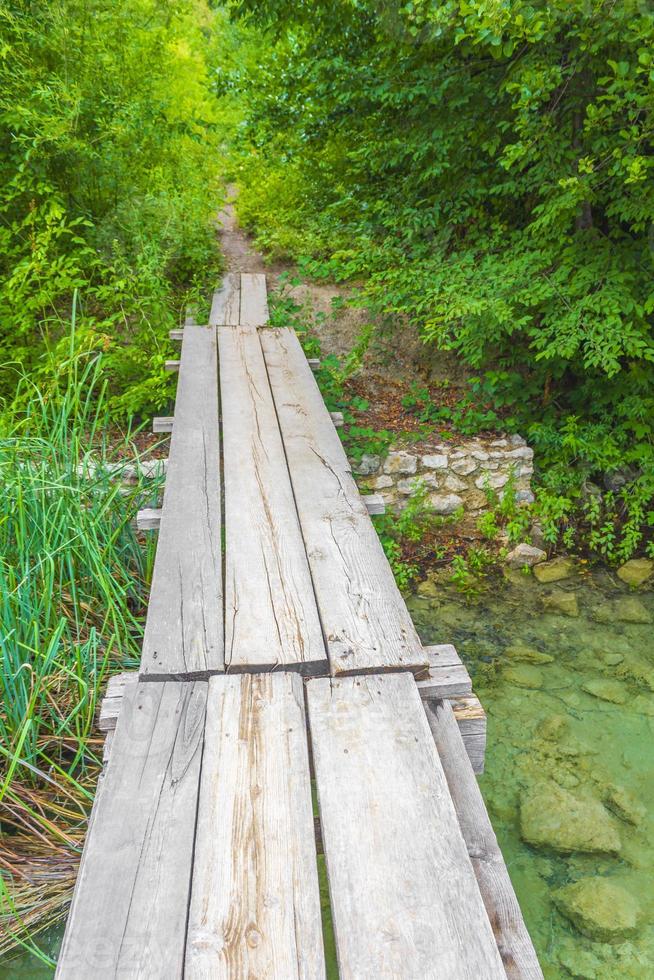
(129, 911)
(255, 907)
(184, 626)
(254, 300)
(271, 617)
(163, 423)
(226, 302)
(513, 940)
(404, 897)
(365, 620)
(148, 519)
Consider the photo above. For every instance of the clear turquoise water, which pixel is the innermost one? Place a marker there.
(598, 745)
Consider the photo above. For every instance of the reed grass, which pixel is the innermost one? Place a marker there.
(73, 585)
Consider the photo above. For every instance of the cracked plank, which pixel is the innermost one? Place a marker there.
(271, 618)
(226, 302)
(129, 910)
(365, 619)
(184, 630)
(513, 940)
(255, 906)
(404, 897)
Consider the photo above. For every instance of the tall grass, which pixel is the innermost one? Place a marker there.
(73, 583)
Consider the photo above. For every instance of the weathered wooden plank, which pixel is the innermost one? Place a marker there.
(172, 366)
(128, 917)
(404, 898)
(513, 940)
(226, 302)
(271, 617)
(148, 519)
(374, 503)
(254, 300)
(255, 908)
(366, 623)
(177, 333)
(337, 419)
(448, 677)
(184, 630)
(163, 423)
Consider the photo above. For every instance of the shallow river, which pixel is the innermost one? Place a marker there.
(570, 761)
(570, 758)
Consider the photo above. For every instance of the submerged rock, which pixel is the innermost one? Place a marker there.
(525, 554)
(561, 602)
(551, 816)
(524, 676)
(636, 572)
(555, 570)
(605, 690)
(527, 655)
(603, 911)
(629, 609)
(625, 805)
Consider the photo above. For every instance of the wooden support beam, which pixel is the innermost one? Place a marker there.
(148, 519)
(163, 423)
(177, 333)
(314, 363)
(172, 366)
(337, 419)
(447, 677)
(255, 905)
(374, 503)
(513, 940)
(404, 898)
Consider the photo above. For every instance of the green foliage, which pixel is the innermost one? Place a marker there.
(73, 586)
(107, 183)
(485, 169)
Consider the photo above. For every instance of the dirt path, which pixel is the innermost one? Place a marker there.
(395, 353)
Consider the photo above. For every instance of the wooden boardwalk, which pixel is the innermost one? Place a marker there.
(280, 665)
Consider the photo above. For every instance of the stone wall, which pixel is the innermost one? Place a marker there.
(454, 475)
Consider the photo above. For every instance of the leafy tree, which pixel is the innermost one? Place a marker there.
(487, 167)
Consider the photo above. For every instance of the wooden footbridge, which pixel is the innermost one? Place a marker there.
(279, 657)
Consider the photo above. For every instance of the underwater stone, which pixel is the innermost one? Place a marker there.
(524, 676)
(636, 572)
(551, 816)
(526, 654)
(605, 690)
(599, 909)
(561, 602)
(629, 609)
(555, 570)
(625, 805)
